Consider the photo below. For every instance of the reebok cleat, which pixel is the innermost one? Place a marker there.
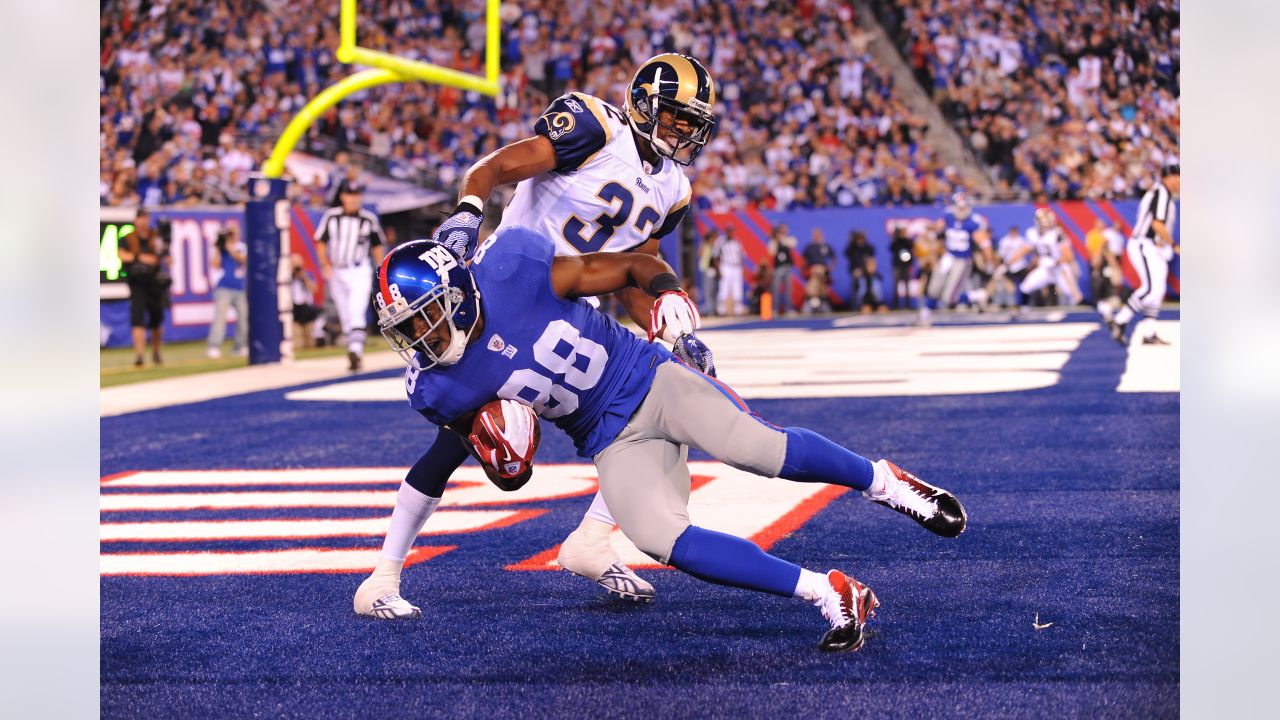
(621, 582)
(595, 559)
(937, 510)
(847, 608)
(393, 607)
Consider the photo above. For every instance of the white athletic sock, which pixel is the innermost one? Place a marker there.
(595, 529)
(1145, 328)
(599, 511)
(1124, 316)
(882, 479)
(811, 587)
(410, 514)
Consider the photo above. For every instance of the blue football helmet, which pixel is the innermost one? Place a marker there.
(425, 279)
(960, 206)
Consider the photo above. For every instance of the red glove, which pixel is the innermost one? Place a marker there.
(673, 315)
(508, 449)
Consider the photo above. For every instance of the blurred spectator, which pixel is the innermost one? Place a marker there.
(803, 108)
(856, 253)
(709, 273)
(731, 268)
(1016, 256)
(145, 257)
(228, 262)
(782, 245)
(903, 251)
(305, 311)
(819, 259)
(1064, 99)
(873, 299)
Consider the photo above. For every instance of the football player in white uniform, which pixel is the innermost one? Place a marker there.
(597, 178)
(1055, 260)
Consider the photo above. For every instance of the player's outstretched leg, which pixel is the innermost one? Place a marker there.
(810, 457)
(724, 559)
(588, 553)
(379, 595)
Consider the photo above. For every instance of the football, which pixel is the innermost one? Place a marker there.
(506, 436)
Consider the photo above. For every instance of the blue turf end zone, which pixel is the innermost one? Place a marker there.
(1072, 496)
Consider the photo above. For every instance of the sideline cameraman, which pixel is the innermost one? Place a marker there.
(230, 257)
(145, 257)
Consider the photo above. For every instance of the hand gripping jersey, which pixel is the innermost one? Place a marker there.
(572, 365)
(1047, 244)
(958, 234)
(600, 197)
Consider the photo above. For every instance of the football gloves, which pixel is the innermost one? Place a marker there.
(694, 353)
(460, 232)
(673, 315)
(508, 451)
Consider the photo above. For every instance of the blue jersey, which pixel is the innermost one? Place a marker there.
(958, 234)
(571, 364)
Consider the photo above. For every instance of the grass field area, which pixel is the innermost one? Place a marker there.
(116, 364)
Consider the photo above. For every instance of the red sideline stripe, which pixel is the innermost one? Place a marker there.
(1081, 217)
(797, 284)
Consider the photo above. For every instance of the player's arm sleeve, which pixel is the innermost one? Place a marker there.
(322, 229)
(576, 128)
(429, 475)
(1162, 203)
(378, 237)
(672, 221)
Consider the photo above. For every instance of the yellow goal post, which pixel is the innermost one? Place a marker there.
(383, 68)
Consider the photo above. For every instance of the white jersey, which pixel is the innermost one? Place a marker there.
(602, 196)
(1047, 244)
(1011, 245)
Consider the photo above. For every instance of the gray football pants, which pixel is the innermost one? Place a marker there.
(644, 475)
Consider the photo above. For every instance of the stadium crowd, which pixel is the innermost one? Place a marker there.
(1059, 98)
(193, 93)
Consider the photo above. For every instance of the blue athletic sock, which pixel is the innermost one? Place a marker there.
(813, 458)
(729, 560)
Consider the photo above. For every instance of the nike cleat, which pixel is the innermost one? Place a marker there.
(1154, 340)
(937, 510)
(847, 607)
(595, 559)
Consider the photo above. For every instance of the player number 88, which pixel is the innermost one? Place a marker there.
(561, 350)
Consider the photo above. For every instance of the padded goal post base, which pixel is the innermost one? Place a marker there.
(266, 233)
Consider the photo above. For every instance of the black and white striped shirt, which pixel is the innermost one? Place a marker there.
(1157, 204)
(349, 237)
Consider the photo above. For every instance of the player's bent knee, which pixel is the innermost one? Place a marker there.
(656, 539)
(755, 446)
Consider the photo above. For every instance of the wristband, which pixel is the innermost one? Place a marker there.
(475, 202)
(666, 282)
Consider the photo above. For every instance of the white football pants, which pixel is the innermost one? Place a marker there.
(1152, 266)
(350, 287)
(1055, 273)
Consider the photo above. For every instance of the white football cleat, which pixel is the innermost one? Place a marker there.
(595, 559)
(378, 599)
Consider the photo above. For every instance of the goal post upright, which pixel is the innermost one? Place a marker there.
(266, 215)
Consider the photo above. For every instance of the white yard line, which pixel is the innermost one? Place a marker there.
(185, 389)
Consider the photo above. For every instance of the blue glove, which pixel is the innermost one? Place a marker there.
(460, 232)
(693, 352)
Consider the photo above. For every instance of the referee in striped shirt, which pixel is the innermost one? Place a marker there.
(345, 237)
(1150, 249)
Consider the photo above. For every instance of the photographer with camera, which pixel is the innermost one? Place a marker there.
(230, 259)
(145, 257)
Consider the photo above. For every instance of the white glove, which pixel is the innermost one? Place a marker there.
(673, 315)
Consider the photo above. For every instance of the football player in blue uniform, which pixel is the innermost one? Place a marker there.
(597, 178)
(628, 405)
(962, 232)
